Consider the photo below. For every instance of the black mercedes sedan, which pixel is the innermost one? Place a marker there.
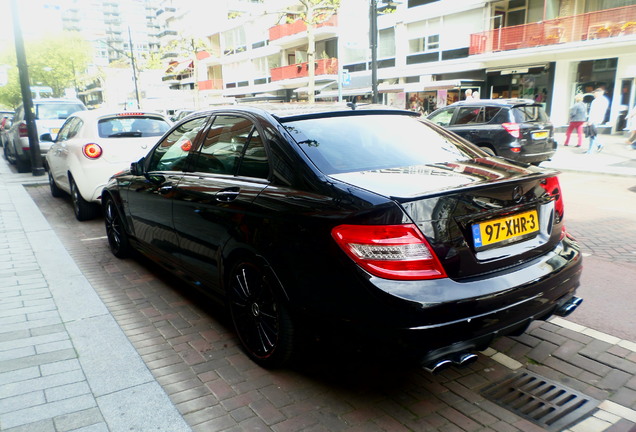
(364, 220)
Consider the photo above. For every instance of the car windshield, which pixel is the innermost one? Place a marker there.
(529, 113)
(368, 142)
(126, 127)
(56, 111)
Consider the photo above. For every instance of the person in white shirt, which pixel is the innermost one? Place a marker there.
(596, 117)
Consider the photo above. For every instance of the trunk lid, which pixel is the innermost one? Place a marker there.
(479, 216)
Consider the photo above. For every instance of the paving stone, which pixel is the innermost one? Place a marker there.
(78, 420)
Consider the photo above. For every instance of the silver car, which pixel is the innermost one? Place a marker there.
(50, 114)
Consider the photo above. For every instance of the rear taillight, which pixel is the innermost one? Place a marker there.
(513, 129)
(389, 251)
(23, 131)
(92, 151)
(553, 188)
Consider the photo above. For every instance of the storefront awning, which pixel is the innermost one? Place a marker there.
(317, 87)
(254, 89)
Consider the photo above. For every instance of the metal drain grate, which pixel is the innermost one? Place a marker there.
(540, 400)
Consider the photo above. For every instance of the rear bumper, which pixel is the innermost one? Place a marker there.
(443, 317)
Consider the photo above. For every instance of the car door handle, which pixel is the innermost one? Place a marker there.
(227, 195)
(166, 189)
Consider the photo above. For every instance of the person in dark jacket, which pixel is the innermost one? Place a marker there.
(578, 114)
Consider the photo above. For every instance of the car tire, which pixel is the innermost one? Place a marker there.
(488, 150)
(56, 192)
(83, 209)
(115, 231)
(261, 320)
(22, 165)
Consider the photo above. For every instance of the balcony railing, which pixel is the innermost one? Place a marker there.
(213, 84)
(299, 26)
(323, 67)
(615, 22)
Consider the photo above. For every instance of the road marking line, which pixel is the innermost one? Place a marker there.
(94, 238)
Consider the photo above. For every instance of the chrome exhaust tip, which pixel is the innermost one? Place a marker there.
(436, 368)
(466, 359)
(569, 306)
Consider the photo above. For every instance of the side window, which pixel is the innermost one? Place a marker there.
(470, 115)
(171, 153)
(491, 113)
(443, 118)
(75, 128)
(69, 130)
(223, 145)
(254, 162)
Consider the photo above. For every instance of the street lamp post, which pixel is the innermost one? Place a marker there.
(373, 30)
(37, 167)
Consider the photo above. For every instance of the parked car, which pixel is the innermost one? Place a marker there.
(371, 222)
(49, 117)
(517, 129)
(94, 145)
(6, 118)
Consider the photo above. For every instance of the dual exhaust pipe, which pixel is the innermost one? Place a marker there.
(568, 307)
(461, 359)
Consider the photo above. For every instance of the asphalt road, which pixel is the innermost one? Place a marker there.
(601, 215)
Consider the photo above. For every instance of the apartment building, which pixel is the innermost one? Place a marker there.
(430, 51)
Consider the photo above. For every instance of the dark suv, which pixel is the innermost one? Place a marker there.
(517, 129)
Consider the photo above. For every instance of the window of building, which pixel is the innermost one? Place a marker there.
(386, 43)
(414, 3)
(424, 36)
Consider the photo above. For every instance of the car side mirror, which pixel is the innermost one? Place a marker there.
(137, 168)
(46, 137)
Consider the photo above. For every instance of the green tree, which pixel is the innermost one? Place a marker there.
(55, 62)
(313, 13)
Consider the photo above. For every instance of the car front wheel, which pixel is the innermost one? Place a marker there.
(82, 208)
(55, 191)
(261, 320)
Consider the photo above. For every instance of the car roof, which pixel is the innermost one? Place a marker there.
(103, 112)
(512, 102)
(297, 111)
(57, 100)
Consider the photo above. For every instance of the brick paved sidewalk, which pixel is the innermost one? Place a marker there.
(65, 364)
(92, 343)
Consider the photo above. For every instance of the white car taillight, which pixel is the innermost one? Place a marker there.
(92, 151)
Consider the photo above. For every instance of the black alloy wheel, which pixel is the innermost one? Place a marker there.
(56, 192)
(261, 321)
(83, 209)
(115, 232)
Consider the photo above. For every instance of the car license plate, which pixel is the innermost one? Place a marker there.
(497, 230)
(540, 135)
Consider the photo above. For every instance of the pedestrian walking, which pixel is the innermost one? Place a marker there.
(578, 113)
(468, 94)
(596, 117)
(631, 127)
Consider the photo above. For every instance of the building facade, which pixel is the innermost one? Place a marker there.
(429, 52)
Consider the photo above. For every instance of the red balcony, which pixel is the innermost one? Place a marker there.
(300, 70)
(214, 84)
(298, 26)
(593, 25)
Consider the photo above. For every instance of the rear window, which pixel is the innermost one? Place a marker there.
(369, 142)
(136, 127)
(56, 111)
(529, 113)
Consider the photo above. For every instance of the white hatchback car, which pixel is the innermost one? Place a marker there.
(92, 146)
